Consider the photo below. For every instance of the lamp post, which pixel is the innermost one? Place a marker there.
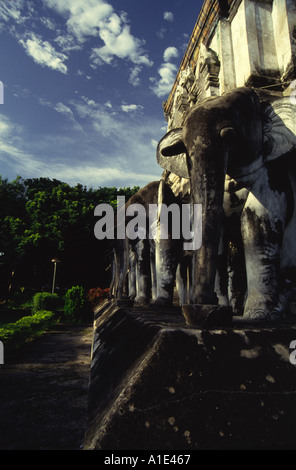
(55, 261)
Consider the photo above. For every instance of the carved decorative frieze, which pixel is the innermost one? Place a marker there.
(194, 86)
(207, 73)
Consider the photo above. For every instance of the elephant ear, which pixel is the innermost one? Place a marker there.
(171, 153)
(279, 128)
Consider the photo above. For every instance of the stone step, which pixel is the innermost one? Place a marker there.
(157, 383)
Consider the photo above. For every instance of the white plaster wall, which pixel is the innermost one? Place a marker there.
(281, 34)
(263, 38)
(214, 43)
(214, 46)
(259, 40)
(225, 54)
(265, 35)
(240, 46)
(291, 14)
(221, 43)
(252, 36)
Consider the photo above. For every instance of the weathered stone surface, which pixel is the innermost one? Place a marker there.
(157, 384)
(198, 315)
(251, 44)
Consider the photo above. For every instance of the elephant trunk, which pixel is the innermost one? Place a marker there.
(207, 176)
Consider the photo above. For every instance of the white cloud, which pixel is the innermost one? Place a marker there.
(117, 148)
(170, 53)
(97, 18)
(65, 110)
(163, 85)
(48, 23)
(167, 71)
(91, 103)
(115, 152)
(119, 141)
(12, 11)
(43, 53)
(83, 74)
(4, 126)
(18, 12)
(114, 23)
(83, 16)
(11, 151)
(168, 16)
(94, 175)
(67, 43)
(86, 21)
(123, 46)
(128, 108)
(79, 21)
(161, 33)
(100, 118)
(134, 78)
(62, 109)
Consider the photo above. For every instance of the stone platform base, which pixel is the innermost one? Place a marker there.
(158, 384)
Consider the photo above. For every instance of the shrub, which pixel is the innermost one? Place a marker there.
(15, 334)
(45, 301)
(96, 295)
(74, 303)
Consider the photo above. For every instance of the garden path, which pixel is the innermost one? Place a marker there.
(43, 391)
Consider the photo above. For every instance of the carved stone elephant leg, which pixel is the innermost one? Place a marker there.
(121, 261)
(237, 282)
(184, 279)
(113, 274)
(181, 283)
(221, 280)
(153, 270)
(263, 220)
(142, 251)
(166, 261)
(230, 283)
(132, 278)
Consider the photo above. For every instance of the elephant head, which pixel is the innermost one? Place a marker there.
(233, 134)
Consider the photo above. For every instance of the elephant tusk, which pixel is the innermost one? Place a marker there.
(226, 132)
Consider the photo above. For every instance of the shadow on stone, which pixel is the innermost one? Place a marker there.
(158, 384)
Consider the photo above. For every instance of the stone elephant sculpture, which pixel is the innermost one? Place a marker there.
(133, 259)
(237, 151)
(145, 267)
(173, 263)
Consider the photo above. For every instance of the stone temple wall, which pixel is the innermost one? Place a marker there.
(235, 43)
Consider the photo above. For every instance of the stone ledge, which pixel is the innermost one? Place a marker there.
(157, 384)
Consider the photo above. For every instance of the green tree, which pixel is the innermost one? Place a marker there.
(41, 219)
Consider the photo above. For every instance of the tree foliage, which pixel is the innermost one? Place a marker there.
(42, 219)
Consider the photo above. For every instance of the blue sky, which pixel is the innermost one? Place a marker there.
(84, 82)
